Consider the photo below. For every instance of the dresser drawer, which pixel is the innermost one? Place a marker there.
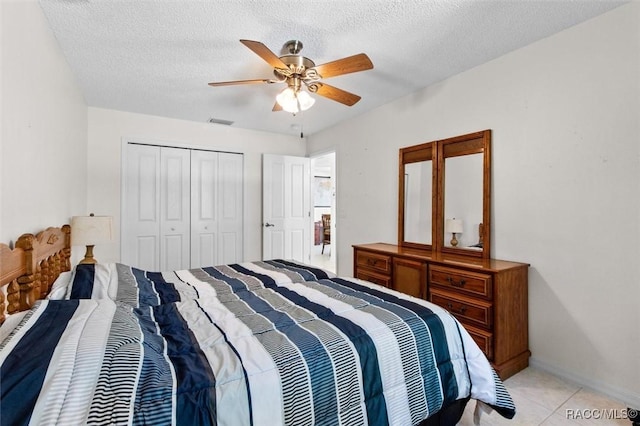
(467, 310)
(374, 277)
(374, 261)
(462, 281)
(483, 339)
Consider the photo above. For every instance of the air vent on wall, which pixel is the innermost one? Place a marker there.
(213, 120)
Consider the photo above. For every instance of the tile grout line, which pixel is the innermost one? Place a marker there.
(561, 404)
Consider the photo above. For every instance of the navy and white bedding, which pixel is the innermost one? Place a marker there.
(225, 349)
(144, 288)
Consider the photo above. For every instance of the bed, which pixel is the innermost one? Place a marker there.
(255, 343)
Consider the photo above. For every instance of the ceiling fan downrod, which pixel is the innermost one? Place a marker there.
(293, 47)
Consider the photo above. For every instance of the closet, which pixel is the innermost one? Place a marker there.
(181, 208)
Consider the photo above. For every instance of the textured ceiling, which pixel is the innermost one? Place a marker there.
(156, 57)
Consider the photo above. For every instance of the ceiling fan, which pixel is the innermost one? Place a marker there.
(298, 71)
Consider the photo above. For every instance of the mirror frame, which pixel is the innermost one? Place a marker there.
(437, 151)
(472, 143)
(408, 155)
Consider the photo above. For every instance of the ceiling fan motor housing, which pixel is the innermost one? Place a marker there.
(298, 67)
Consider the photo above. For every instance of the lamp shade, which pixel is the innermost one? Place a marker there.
(305, 100)
(453, 226)
(91, 230)
(294, 101)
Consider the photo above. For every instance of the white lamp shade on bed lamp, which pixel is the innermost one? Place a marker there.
(89, 231)
(453, 226)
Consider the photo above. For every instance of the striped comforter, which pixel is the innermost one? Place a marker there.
(332, 351)
(136, 287)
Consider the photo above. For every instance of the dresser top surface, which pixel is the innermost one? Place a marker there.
(485, 264)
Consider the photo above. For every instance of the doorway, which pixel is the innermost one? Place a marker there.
(323, 193)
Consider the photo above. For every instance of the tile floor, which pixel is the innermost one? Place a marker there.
(322, 260)
(544, 399)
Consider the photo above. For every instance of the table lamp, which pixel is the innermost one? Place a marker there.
(89, 231)
(454, 226)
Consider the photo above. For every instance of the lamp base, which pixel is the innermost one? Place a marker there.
(454, 241)
(88, 257)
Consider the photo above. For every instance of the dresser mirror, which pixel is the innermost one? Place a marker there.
(464, 179)
(463, 200)
(416, 213)
(445, 188)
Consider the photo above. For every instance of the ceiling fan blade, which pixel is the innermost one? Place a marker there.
(355, 63)
(336, 94)
(236, 82)
(266, 54)
(276, 107)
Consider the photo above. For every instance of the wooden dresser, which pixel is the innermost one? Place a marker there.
(489, 297)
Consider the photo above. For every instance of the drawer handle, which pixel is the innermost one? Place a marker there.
(371, 262)
(455, 283)
(462, 309)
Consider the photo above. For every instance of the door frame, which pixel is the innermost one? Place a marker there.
(334, 201)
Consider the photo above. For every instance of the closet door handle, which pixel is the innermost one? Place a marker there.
(268, 225)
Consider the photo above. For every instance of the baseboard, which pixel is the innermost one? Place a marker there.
(631, 399)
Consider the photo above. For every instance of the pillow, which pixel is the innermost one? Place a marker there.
(59, 287)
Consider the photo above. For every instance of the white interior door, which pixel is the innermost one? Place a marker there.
(141, 208)
(286, 207)
(230, 201)
(204, 212)
(216, 208)
(181, 207)
(175, 220)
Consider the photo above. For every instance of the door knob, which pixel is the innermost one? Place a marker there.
(267, 225)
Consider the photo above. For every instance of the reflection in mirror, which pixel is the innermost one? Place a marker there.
(463, 199)
(417, 202)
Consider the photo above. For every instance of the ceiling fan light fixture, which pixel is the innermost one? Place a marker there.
(294, 101)
(305, 100)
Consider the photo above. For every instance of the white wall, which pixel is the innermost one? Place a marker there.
(44, 126)
(108, 127)
(566, 174)
(565, 115)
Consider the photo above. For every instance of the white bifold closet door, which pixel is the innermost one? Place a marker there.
(182, 208)
(216, 208)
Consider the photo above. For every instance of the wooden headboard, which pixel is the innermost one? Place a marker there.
(28, 271)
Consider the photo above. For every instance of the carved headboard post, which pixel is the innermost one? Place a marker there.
(66, 252)
(11, 268)
(28, 271)
(26, 282)
(46, 256)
